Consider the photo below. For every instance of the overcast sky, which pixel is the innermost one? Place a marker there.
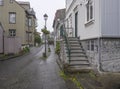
(46, 6)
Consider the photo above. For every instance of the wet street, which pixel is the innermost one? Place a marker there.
(31, 72)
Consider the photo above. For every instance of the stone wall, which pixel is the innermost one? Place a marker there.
(110, 55)
(106, 54)
(93, 56)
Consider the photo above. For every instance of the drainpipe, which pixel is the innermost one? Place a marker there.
(99, 53)
(3, 42)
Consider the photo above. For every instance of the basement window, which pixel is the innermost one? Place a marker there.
(12, 32)
(92, 45)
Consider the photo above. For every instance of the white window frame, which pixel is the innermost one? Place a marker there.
(89, 4)
(91, 45)
(1, 2)
(29, 22)
(12, 17)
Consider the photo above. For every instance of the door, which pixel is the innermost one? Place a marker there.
(76, 24)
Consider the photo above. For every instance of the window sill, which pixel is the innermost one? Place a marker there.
(89, 22)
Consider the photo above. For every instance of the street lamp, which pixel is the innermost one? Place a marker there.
(45, 18)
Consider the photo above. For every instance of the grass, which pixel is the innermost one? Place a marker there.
(71, 78)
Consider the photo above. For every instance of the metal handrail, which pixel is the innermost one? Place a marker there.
(68, 44)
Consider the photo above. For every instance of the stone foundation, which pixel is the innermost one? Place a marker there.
(106, 54)
(110, 55)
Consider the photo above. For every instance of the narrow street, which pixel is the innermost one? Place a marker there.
(31, 72)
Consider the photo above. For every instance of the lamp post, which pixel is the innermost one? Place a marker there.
(45, 18)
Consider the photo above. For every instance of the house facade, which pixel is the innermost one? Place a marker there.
(31, 23)
(96, 23)
(15, 22)
(58, 24)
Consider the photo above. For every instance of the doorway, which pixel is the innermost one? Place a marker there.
(76, 24)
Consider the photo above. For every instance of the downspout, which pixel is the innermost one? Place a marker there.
(99, 38)
(99, 53)
(3, 42)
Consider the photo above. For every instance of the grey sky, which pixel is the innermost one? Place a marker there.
(46, 6)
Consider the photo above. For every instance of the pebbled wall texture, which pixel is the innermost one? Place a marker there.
(106, 54)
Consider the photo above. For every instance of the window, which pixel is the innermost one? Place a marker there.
(12, 17)
(88, 45)
(1, 2)
(30, 22)
(70, 20)
(89, 9)
(92, 45)
(12, 32)
(11, 1)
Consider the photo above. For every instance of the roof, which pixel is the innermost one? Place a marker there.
(60, 14)
(29, 10)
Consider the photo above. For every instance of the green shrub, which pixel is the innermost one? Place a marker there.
(49, 50)
(57, 50)
(26, 49)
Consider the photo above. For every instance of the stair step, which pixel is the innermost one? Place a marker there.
(75, 45)
(74, 42)
(79, 62)
(79, 65)
(77, 54)
(79, 59)
(76, 48)
(77, 51)
(72, 47)
(79, 69)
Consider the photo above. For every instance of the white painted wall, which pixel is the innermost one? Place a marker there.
(110, 18)
(106, 19)
(89, 31)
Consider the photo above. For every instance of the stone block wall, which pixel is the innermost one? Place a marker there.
(106, 54)
(110, 55)
(93, 56)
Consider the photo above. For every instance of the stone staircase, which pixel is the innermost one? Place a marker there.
(78, 60)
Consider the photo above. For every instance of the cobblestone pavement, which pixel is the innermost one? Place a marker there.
(31, 72)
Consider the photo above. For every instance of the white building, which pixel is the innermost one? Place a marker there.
(97, 23)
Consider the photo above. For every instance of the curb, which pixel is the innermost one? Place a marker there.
(4, 59)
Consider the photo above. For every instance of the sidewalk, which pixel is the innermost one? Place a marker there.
(7, 57)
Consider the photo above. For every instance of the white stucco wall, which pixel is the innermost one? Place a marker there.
(88, 31)
(106, 19)
(91, 30)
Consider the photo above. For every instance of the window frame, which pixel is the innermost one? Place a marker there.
(11, 1)
(12, 22)
(92, 45)
(12, 32)
(89, 11)
(30, 22)
(1, 2)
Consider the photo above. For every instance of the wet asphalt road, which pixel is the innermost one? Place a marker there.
(31, 72)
